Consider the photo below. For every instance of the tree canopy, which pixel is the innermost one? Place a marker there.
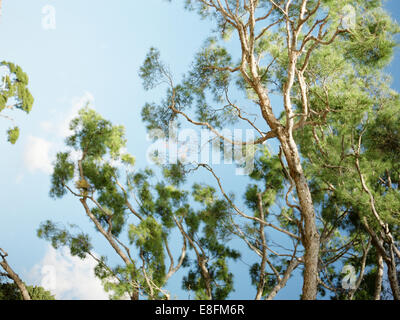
(327, 65)
(323, 205)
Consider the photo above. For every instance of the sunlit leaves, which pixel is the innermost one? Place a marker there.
(96, 137)
(13, 135)
(372, 40)
(14, 93)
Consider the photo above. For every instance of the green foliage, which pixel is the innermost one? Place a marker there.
(371, 43)
(175, 173)
(153, 72)
(350, 102)
(356, 110)
(63, 172)
(79, 243)
(148, 236)
(100, 144)
(210, 225)
(10, 291)
(205, 80)
(13, 135)
(270, 282)
(14, 93)
(96, 137)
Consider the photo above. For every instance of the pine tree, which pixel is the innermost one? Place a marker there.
(283, 47)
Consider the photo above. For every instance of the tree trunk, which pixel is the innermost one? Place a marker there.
(392, 275)
(135, 296)
(379, 277)
(310, 237)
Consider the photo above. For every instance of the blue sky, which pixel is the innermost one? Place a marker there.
(94, 53)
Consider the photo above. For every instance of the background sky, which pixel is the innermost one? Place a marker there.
(94, 54)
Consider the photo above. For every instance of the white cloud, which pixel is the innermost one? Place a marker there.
(68, 277)
(37, 155)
